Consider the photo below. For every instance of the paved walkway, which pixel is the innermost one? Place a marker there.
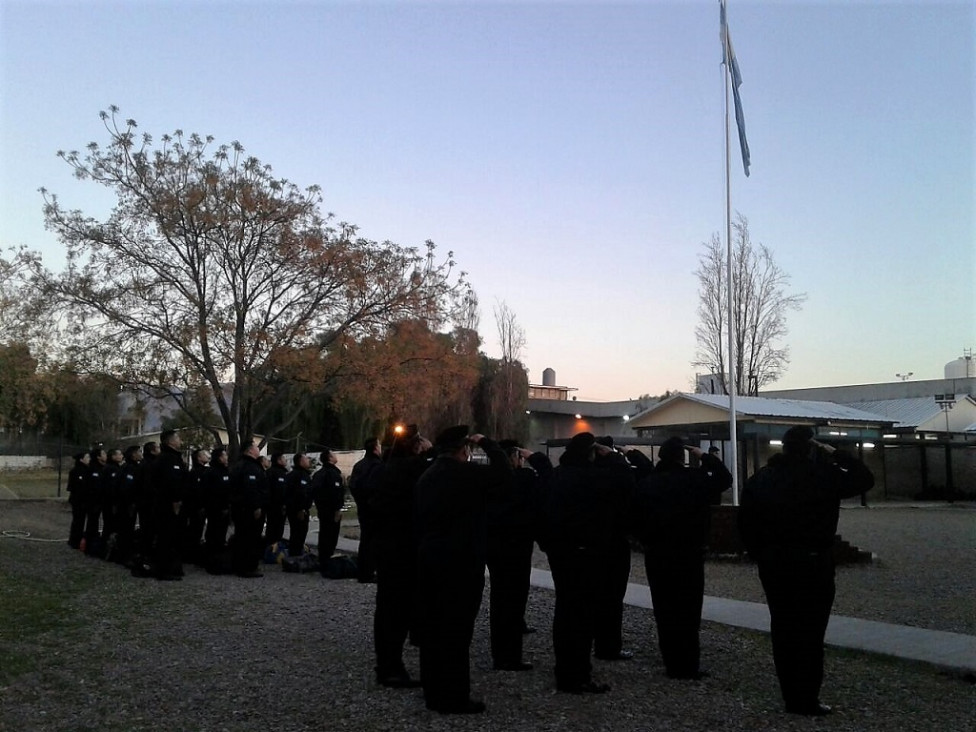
(950, 650)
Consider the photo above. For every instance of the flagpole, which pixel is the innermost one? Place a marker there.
(730, 386)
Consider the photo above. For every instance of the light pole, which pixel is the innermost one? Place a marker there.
(946, 402)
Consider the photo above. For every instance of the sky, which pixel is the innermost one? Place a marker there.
(570, 154)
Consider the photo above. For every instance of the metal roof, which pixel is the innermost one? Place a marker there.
(784, 408)
(910, 412)
(587, 409)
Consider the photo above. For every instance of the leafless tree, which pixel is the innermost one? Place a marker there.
(511, 336)
(760, 303)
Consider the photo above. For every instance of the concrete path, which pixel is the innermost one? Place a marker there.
(954, 651)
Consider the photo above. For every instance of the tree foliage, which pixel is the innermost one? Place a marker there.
(211, 271)
(501, 399)
(760, 303)
(24, 393)
(411, 373)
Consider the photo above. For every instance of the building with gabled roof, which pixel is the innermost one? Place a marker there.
(760, 423)
(924, 416)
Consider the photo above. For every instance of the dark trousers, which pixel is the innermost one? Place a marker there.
(367, 547)
(608, 640)
(78, 515)
(509, 566)
(297, 533)
(195, 521)
(799, 590)
(677, 588)
(215, 534)
(580, 577)
(93, 532)
(396, 585)
(167, 554)
(248, 546)
(110, 519)
(147, 529)
(125, 526)
(276, 524)
(449, 607)
(328, 536)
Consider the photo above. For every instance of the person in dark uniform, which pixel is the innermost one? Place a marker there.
(512, 507)
(249, 497)
(145, 538)
(671, 513)
(391, 501)
(586, 500)
(128, 485)
(298, 503)
(359, 482)
(716, 453)
(111, 509)
(79, 478)
(169, 480)
(608, 640)
(451, 547)
(329, 495)
(193, 511)
(216, 501)
(97, 495)
(275, 527)
(787, 520)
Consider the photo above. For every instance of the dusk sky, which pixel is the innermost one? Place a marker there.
(571, 155)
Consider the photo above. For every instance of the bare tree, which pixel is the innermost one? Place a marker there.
(210, 272)
(511, 336)
(760, 303)
(503, 388)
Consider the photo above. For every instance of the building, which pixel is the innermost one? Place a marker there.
(703, 419)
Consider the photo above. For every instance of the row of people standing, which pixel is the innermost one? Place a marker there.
(144, 506)
(586, 510)
(152, 511)
(434, 520)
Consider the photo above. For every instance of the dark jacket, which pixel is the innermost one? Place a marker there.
(359, 479)
(217, 488)
(514, 504)
(672, 506)
(249, 485)
(793, 503)
(195, 498)
(328, 491)
(112, 483)
(276, 485)
(130, 481)
(298, 490)
(169, 476)
(588, 502)
(391, 490)
(79, 480)
(450, 515)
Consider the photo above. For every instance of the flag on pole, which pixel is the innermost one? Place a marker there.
(728, 56)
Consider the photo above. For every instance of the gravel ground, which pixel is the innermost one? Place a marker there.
(294, 652)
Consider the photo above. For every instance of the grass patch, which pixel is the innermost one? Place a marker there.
(32, 483)
(32, 607)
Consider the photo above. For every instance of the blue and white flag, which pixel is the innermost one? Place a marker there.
(728, 56)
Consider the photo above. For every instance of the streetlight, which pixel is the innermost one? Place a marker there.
(905, 377)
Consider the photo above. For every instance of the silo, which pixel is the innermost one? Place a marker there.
(549, 377)
(962, 368)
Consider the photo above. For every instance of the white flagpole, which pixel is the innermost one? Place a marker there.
(730, 386)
